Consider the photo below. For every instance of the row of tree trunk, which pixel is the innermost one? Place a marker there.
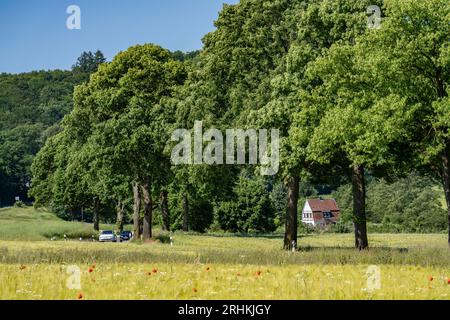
(143, 198)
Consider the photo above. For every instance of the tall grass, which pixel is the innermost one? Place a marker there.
(155, 280)
(214, 266)
(423, 250)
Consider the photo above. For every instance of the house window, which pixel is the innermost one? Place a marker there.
(327, 215)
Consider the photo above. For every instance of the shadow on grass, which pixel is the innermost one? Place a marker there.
(237, 235)
(353, 249)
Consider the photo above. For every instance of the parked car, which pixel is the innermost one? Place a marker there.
(107, 236)
(126, 235)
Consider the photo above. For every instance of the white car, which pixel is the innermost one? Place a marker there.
(107, 236)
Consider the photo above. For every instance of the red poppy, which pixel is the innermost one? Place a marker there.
(207, 269)
(430, 278)
(149, 273)
(194, 290)
(90, 270)
(258, 273)
(448, 281)
(80, 296)
(155, 270)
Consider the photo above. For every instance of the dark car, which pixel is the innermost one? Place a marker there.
(126, 235)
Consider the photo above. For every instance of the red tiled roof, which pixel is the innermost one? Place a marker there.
(323, 205)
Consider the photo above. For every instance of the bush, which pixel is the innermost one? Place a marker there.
(200, 215)
(19, 204)
(163, 237)
(303, 228)
(342, 227)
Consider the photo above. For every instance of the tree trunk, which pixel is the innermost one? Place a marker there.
(120, 212)
(137, 210)
(73, 214)
(359, 207)
(290, 235)
(96, 217)
(185, 213)
(446, 182)
(148, 210)
(165, 210)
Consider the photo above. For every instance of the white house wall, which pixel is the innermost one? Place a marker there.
(307, 210)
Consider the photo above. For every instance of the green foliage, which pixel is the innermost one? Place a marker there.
(162, 237)
(115, 135)
(201, 215)
(185, 56)
(342, 227)
(410, 204)
(31, 108)
(278, 198)
(89, 62)
(19, 204)
(251, 209)
(342, 95)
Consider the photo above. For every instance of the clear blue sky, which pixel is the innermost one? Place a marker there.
(34, 36)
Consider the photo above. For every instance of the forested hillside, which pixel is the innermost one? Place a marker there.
(31, 107)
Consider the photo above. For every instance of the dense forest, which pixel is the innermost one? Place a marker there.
(31, 108)
(363, 114)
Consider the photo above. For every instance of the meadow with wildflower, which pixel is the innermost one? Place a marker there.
(228, 267)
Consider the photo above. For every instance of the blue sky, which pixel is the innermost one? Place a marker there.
(34, 36)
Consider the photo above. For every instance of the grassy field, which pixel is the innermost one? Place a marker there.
(30, 224)
(411, 266)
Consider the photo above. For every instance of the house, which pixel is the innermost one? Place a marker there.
(320, 212)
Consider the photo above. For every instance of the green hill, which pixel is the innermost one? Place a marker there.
(31, 224)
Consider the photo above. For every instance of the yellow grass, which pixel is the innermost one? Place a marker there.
(326, 267)
(193, 281)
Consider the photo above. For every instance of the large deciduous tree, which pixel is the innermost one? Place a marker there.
(414, 40)
(114, 139)
(318, 25)
(122, 103)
